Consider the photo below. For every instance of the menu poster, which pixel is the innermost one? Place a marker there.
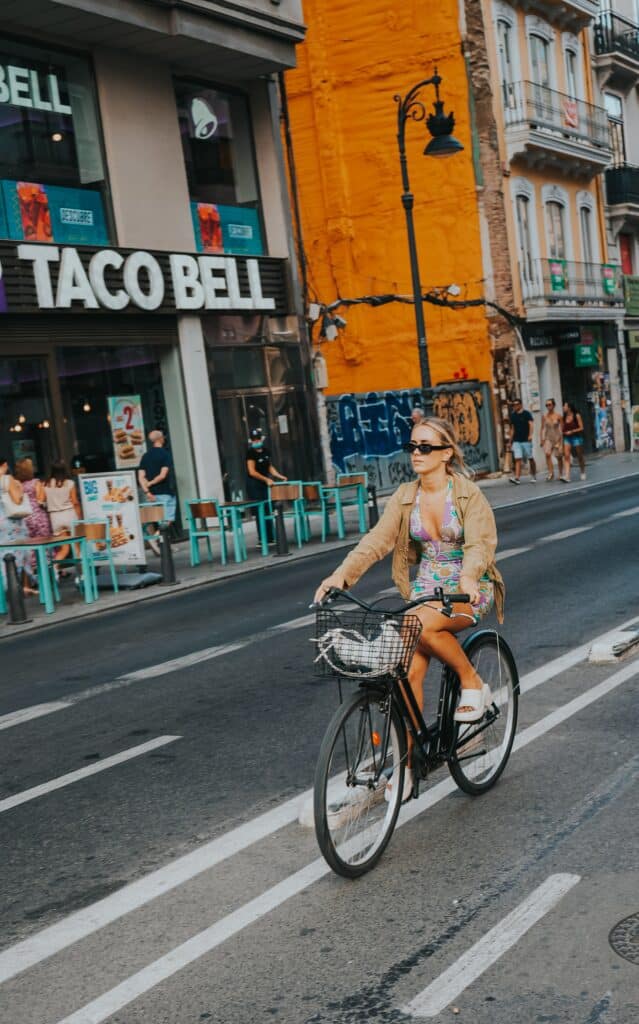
(127, 429)
(113, 498)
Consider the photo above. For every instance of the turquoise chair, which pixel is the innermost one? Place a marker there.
(98, 538)
(359, 483)
(198, 513)
(318, 503)
(291, 494)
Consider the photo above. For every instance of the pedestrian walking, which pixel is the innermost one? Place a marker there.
(522, 436)
(551, 438)
(260, 474)
(156, 479)
(14, 509)
(442, 522)
(63, 506)
(37, 522)
(573, 428)
(416, 416)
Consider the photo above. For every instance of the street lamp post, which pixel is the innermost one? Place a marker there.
(442, 144)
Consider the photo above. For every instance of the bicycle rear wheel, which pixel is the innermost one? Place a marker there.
(481, 749)
(364, 745)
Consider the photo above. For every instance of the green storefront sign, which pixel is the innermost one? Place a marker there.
(631, 289)
(586, 355)
(609, 274)
(558, 281)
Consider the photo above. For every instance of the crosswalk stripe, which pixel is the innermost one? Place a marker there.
(84, 773)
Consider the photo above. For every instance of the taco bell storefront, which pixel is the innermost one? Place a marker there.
(86, 332)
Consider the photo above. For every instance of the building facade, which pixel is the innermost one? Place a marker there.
(343, 117)
(554, 146)
(615, 41)
(145, 237)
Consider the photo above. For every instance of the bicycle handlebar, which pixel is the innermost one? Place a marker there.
(438, 595)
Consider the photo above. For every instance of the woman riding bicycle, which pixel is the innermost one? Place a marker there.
(442, 523)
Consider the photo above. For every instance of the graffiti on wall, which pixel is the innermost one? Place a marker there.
(368, 431)
(466, 411)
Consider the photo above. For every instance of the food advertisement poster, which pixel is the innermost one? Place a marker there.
(230, 230)
(127, 429)
(49, 213)
(113, 498)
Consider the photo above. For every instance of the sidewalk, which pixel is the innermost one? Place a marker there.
(499, 491)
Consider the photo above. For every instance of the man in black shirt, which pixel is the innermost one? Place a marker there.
(522, 435)
(155, 477)
(260, 473)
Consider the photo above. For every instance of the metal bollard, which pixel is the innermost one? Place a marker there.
(15, 595)
(281, 540)
(373, 511)
(166, 557)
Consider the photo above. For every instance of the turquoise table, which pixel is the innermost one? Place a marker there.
(41, 545)
(232, 510)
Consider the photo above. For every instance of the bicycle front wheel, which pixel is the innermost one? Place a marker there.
(481, 749)
(355, 813)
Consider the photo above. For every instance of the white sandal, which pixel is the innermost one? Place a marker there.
(408, 786)
(477, 700)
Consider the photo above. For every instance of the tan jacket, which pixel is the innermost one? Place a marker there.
(392, 534)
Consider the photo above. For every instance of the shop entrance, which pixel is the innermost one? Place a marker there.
(588, 388)
(282, 418)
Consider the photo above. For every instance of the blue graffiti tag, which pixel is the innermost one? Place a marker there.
(369, 426)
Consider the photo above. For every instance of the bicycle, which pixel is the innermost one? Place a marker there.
(366, 741)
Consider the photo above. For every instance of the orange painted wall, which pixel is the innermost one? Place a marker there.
(344, 124)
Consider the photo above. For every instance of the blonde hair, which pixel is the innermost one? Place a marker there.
(445, 431)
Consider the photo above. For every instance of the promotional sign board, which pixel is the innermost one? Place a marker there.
(586, 355)
(557, 268)
(234, 230)
(127, 429)
(113, 497)
(50, 213)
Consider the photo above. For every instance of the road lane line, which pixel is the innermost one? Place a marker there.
(441, 992)
(626, 512)
(28, 714)
(85, 922)
(511, 553)
(550, 538)
(84, 773)
(100, 1009)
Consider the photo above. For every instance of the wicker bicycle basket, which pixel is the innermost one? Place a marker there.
(364, 645)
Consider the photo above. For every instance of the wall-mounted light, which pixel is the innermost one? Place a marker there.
(17, 428)
(46, 424)
(22, 419)
(57, 137)
(86, 407)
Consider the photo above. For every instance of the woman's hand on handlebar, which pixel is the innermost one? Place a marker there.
(336, 579)
(469, 586)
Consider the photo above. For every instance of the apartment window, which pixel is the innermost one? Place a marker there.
(585, 222)
(504, 44)
(555, 227)
(614, 108)
(217, 142)
(540, 60)
(572, 74)
(52, 177)
(525, 238)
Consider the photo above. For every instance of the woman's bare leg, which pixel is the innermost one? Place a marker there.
(567, 462)
(580, 458)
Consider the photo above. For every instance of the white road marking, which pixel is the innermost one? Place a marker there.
(575, 489)
(79, 925)
(512, 553)
(565, 534)
(441, 992)
(84, 773)
(626, 512)
(28, 714)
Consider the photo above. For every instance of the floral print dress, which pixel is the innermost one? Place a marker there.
(440, 564)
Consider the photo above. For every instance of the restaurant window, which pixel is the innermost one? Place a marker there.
(217, 142)
(52, 177)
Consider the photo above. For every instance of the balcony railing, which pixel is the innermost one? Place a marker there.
(614, 34)
(538, 107)
(560, 282)
(622, 185)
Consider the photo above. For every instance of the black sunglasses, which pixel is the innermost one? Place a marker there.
(424, 448)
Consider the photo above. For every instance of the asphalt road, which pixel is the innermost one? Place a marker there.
(241, 730)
